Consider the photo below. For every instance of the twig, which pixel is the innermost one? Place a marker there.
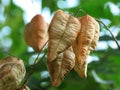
(38, 63)
(79, 10)
(7, 53)
(31, 71)
(110, 32)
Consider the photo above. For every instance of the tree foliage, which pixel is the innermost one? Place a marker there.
(103, 74)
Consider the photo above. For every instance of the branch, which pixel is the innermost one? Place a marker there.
(32, 68)
(110, 32)
(80, 10)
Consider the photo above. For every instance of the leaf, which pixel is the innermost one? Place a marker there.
(36, 33)
(85, 42)
(63, 31)
(61, 66)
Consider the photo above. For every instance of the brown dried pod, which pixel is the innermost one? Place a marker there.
(61, 66)
(86, 41)
(36, 33)
(63, 31)
(12, 71)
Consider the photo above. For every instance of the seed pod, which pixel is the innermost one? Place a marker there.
(63, 31)
(12, 71)
(61, 66)
(86, 41)
(36, 33)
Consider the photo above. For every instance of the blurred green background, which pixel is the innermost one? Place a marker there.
(104, 61)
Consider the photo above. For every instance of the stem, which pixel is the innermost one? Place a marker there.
(79, 10)
(9, 54)
(110, 33)
(35, 65)
(40, 53)
(30, 72)
(32, 68)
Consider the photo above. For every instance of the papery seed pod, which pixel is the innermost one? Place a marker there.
(63, 31)
(86, 41)
(36, 33)
(12, 71)
(61, 66)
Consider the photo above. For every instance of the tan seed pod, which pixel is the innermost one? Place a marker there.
(36, 33)
(12, 71)
(61, 66)
(86, 41)
(63, 31)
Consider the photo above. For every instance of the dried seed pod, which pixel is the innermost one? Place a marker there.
(36, 33)
(86, 41)
(12, 71)
(63, 31)
(61, 66)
